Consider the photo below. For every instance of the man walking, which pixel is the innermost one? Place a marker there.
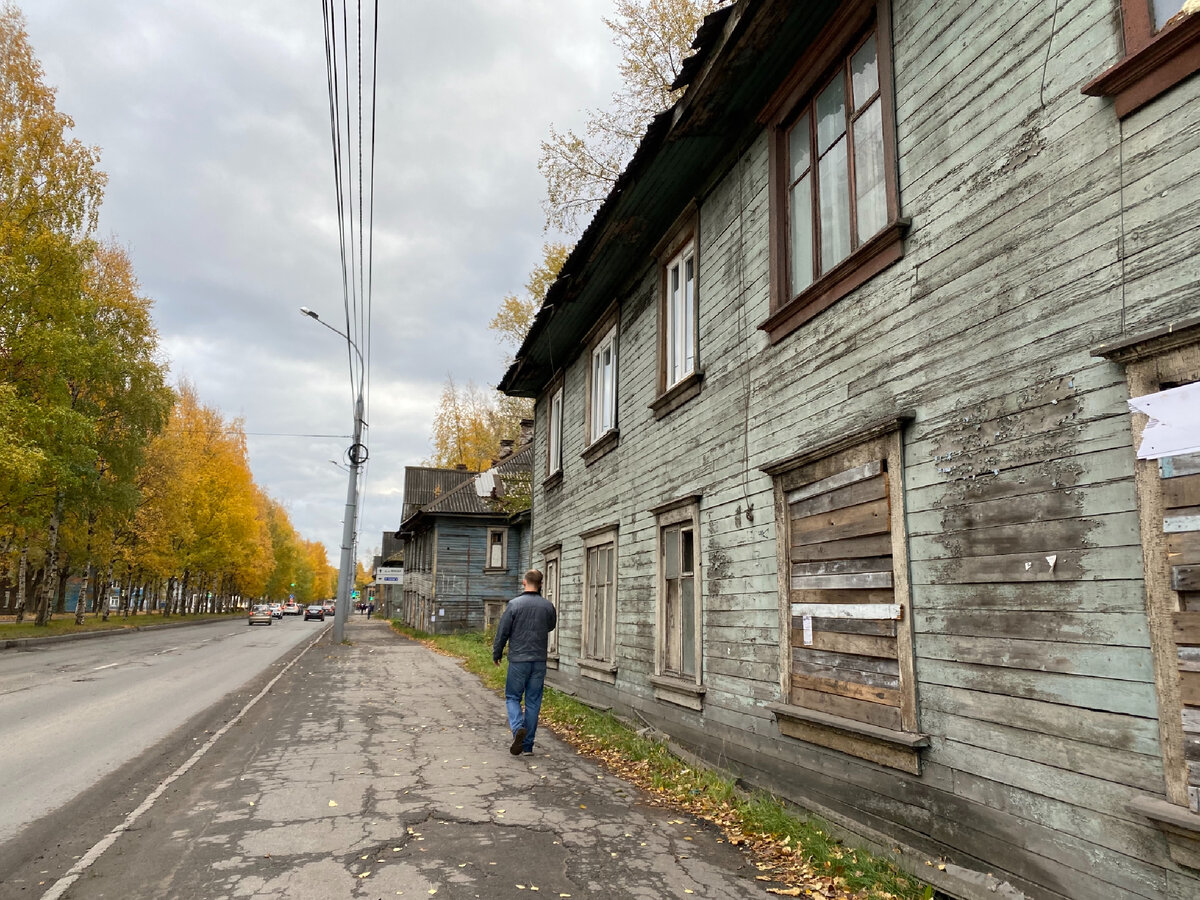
(525, 627)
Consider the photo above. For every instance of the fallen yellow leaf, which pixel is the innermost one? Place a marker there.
(333, 803)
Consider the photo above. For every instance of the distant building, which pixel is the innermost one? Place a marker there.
(466, 543)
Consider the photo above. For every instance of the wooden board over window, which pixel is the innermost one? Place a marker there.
(840, 565)
(1181, 528)
(848, 667)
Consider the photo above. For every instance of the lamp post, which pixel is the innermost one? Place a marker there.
(358, 455)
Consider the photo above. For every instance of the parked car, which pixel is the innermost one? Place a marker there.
(277, 610)
(260, 614)
(315, 611)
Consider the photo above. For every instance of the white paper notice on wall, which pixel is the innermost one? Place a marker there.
(807, 631)
(1174, 426)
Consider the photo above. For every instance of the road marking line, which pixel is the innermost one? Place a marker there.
(85, 862)
(109, 666)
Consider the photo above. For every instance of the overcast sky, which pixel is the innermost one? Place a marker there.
(212, 117)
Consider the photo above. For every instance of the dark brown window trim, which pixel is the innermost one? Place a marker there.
(601, 446)
(1153, 63)
(895, 749)
(675, 397)
(865, 263)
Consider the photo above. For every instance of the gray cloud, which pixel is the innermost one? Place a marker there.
(212, 117)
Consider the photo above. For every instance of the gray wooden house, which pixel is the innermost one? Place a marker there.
(466, 543)
(836, 476)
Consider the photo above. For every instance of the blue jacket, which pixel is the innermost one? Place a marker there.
(525, 627)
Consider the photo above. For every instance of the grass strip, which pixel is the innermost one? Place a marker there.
(65, 623)
(787, 848)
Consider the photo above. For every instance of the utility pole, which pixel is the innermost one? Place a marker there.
(358, 455)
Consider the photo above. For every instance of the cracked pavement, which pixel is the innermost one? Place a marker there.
(379, 769)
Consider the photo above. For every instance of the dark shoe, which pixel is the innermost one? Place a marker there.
(518, 741)
(528, 752)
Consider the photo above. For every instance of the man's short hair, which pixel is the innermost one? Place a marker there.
(533, 578)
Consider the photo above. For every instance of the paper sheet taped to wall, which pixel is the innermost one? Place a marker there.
(1174, 426)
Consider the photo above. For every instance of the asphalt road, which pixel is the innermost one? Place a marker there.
(368, 770)
(72, 713)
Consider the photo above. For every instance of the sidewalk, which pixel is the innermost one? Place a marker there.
(381, 769)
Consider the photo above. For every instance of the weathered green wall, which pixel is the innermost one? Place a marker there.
(1041, 227)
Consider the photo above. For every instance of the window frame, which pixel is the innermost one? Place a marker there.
(682, 237)
(554, 432)
(487, 562)
(1154, 61)
(601, 668)
(900, 747)
(597, 396)
(678, 687)
(828, 55)
(1166, 355)
(551, 590)
(607, 330)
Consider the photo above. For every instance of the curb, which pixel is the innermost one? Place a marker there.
(21, 643)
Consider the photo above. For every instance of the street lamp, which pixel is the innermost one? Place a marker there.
(358, 456)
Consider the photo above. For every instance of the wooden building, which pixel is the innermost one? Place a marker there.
(466, 543)
(836, 477)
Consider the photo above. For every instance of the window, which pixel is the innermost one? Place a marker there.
(497, 550)
(602, 409)
(847, 670)
(679, 657)
(554, 433)
(678, 255)
(678, 647)
(680, 336)
(1162, 48)
(550, 580)
(835, 204)
(599, 605)
(1167, 479)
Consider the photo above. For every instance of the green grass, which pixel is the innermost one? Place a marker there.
(771, 828)
(64, 623)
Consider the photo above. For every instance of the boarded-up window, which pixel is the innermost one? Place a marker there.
(1181, 525)
(844, 609)
(848, 669)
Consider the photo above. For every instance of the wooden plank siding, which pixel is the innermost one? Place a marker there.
(1040, 227)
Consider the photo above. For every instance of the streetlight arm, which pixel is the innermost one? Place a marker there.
(312, 314)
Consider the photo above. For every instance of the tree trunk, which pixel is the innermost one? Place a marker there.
(102, 592)
(84, 589)
(183, 595)
(170, 597)
(51, 583)
(64, 574)
(22, 573)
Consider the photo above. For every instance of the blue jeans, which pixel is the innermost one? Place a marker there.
(527, 678)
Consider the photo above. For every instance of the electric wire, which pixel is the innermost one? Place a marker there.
(355, 232)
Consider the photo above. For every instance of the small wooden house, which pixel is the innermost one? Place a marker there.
(836, 478)
(465, 543)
